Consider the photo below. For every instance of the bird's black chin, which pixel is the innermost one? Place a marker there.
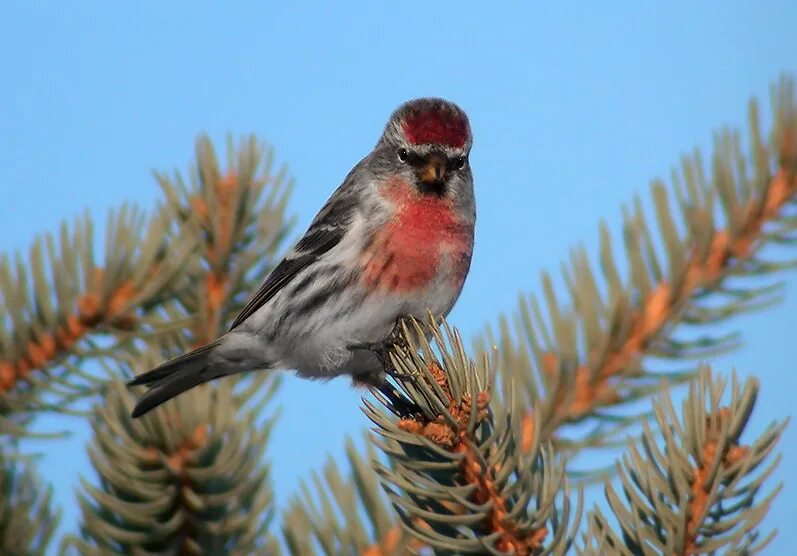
(436, 188)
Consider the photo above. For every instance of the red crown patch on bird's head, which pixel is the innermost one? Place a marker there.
(434, 121)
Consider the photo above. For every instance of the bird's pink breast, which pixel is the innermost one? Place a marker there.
(406, 255)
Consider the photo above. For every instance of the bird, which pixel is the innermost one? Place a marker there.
(394, 240)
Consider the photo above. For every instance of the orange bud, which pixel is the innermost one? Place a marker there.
(7, 376)
(121, 299)
(550, 363)
(216, 287)
(410, 425)
(657, 309)
(36, 355)
(48, 345)
(89, 309)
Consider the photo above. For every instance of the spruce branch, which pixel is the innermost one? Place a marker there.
(350, 515)
(27, 520)
(336, 515)
(693, 487)
(56, 302)
(587, 359)
(186, 479)
(237, 216)
(457, 473)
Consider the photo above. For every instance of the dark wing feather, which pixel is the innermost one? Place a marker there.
(325, 232)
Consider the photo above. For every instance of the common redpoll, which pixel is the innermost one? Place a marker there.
(394, 240)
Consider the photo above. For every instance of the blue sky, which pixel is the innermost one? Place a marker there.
(574, 110)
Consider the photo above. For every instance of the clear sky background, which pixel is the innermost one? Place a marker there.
(574, 110)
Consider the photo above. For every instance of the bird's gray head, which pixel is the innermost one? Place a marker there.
(427, 141)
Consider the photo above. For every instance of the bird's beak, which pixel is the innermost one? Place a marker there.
(433, 170)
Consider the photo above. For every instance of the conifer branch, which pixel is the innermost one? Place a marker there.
(182, 480)
(703, 490)
(204, 448)
(583, 361)
(337, 515)
(460, 479)
(238, 216)
(51, 311)
(27, 521)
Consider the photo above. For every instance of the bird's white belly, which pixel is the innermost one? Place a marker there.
(327, 352)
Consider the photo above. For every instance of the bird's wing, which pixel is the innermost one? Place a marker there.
(324, 233)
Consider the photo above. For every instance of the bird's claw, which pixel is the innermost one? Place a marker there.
(403, 407)
(397, 338)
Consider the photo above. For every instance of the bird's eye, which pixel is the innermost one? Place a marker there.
(460, 162)
(403, 155)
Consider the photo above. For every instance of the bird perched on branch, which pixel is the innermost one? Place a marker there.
(394, 240)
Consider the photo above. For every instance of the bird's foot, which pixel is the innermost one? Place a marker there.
(394, 341)
(396, 337)
(400, 405)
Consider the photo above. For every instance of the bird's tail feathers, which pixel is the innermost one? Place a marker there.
(174, 377)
